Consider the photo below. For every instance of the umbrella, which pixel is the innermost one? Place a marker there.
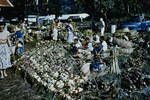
(5, 3)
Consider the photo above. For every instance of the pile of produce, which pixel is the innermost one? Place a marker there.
(52, 66)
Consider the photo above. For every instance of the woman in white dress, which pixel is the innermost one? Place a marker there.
(55, 30)
(70, 35)
(4, 53)
(55, 33)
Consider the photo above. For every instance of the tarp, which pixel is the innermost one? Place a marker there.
(5, 3)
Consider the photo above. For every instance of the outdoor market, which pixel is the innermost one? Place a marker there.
(74, 57)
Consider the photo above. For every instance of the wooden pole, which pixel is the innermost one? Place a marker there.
(115, 67)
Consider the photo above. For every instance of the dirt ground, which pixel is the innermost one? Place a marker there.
(14, 87)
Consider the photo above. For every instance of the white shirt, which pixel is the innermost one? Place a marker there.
(55, 34)
(20, 45)
(105, 46)
(78, 45)
(90, 46)
(103, 23)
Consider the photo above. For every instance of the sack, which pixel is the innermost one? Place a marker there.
(123, 43)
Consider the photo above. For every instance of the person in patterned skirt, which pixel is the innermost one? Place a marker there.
(4, 53)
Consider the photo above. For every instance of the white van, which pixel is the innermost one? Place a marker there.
(31, 19)
(80, 16)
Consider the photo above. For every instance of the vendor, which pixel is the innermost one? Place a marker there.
(87, 45)
(96, 65)
(104, 44)
(98, 47)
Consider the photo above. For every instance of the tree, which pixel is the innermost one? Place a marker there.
(96, 8)
(145, 6)
(54, 7)
(114, 8)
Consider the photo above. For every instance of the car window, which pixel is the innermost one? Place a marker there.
(134, 19)
(147, 18)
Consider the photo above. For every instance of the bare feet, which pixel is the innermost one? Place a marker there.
(5, 74)
(2, 75)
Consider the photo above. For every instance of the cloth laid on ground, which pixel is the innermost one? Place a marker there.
(96, 66)
(123, 43)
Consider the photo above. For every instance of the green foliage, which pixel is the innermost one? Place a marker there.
(54, 7)
(114, 8)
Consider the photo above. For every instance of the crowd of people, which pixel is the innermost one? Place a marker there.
(93, 45)
(12, 37)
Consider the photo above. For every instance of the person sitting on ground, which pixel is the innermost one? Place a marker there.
(96, 65)
(85, 49)
(74, 47)
(87, 45)
(20, 48)
(77, 43)
(95, 38)
(104, 44)
(98, 48)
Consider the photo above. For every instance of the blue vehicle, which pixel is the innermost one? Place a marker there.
(138, 23)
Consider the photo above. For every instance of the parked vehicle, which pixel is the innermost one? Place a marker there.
(46, 19)
(138, 23)
(80, 16)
